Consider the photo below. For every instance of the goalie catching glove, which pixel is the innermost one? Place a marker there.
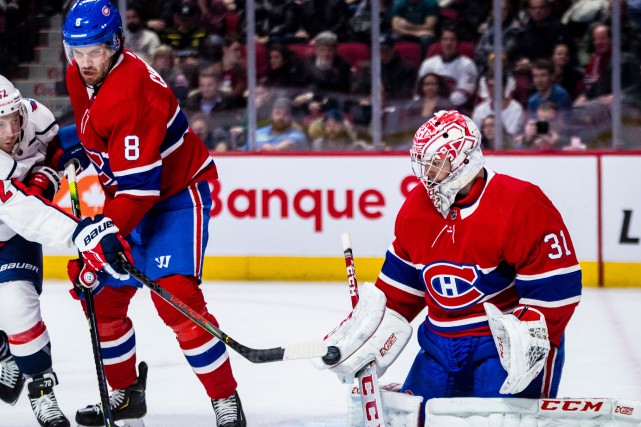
(371, 333)
(100, 243)
(522, 341)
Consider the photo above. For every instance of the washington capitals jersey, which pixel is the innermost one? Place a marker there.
(504, 243)
(32, 217)
(32, 145)
(137, 138)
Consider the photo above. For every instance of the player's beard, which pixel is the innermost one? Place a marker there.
(94, 76)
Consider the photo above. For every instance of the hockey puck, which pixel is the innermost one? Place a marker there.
(333, 355)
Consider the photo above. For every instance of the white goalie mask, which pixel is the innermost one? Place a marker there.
(10, 102)
(446, 155)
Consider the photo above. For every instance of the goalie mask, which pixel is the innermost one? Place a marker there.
(92, 35)
(13, 115)
(446, 155)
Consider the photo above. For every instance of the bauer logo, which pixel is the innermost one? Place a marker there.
(623, 410)
(388, 344)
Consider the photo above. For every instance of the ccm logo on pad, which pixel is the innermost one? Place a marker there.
(571, 405)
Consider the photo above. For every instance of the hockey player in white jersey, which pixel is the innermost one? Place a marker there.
(27, 220)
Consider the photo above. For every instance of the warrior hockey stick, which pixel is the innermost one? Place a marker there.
(70, 169)
(305, 350)
(366, 377)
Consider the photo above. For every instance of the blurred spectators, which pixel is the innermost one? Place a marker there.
(234, 69)
(511, 33)
(592, 112)
(488, 134)
(264, 97)
(283, 134)
(630, 34)
(359, 27)
(544, 131)
(458, 71)
(138, 39)
(217, 139)
(335, 134)
(318, 16)
(597, 80)
(546, 89)
(565, 74)
(325, 71)
(398, 75)
(542, 31)
(213, 16)
(186, 37)
(164, 62)
(284, 68)
(512, 115)
(212, 101)
(416, 20)
(432, 96)
(276, 21)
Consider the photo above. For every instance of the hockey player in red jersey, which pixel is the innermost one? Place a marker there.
(491, 259)
(154, 172)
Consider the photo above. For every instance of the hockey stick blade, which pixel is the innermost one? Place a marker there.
(304, 350)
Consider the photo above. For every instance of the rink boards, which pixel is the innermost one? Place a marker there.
(280, 217)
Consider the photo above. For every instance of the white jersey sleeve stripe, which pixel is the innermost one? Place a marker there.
(558, 272)
(401, 286)
(551, 304)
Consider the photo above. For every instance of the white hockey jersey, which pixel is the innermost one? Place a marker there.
(31, 217)
(32, 146)
(459, 73)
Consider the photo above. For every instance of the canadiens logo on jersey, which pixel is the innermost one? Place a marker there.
(452, 286)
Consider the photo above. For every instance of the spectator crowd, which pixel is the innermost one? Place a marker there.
(313, 68)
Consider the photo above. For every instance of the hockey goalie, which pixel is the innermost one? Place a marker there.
(492, 260)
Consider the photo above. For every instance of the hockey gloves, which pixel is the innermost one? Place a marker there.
(372, 332)
(43, 182)
(522, 341)
(66, 147)
(100, 243)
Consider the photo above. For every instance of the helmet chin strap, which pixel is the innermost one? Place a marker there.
(444, 195)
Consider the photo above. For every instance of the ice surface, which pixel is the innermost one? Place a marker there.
(603, 349)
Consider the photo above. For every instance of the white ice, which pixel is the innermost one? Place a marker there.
(603, 350)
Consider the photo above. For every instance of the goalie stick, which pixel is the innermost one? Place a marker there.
(304, 350)
(366, 377)
(70, 169)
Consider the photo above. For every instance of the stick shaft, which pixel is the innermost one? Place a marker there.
(367, 378)
(295, 351)
(70, 169)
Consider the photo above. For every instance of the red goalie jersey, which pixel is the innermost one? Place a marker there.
(504, 243)
(146, 152)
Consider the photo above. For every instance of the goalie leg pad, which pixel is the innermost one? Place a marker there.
(399, 409)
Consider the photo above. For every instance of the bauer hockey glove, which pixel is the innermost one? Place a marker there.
(43, 182)
(100, 243)
(372, 332)
(522, 341)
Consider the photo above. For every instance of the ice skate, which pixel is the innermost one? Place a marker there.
(43, 401)
(128, 405)
(229, 411)
(11, 381)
